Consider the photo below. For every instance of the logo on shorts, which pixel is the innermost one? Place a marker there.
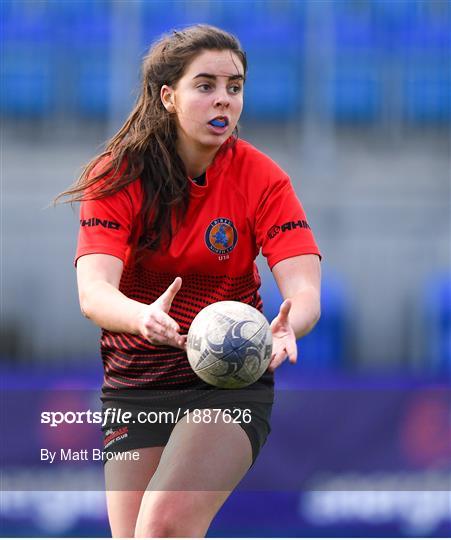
(221, 236)
(114, 435)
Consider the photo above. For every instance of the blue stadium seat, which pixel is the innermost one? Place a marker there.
(395, 15)
(25, 22)
(427, 91)
(160, 17)
(273, 90)
(424, 33)
(280, 36)
(431, 33)
(27, 67)
(409, 26)
(355, 95)
(83, 23)
(93, 86)
(27, 89)
(250, 11)
(438, 323)
(323, 350)
(84, 36)
(354, 31)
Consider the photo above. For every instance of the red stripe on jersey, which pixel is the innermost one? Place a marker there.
(137, 375)
(122, 383)
(131, 359)
(147, 362)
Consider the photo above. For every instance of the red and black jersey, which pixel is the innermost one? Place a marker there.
(246, 204)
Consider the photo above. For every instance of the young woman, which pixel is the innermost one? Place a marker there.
(173, 215)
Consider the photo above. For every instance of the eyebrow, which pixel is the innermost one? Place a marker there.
(214, 77)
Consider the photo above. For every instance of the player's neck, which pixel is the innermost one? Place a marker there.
(196, 159)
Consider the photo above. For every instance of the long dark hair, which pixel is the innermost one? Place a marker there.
(145, 146)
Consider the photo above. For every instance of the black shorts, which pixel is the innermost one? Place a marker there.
(152, 417)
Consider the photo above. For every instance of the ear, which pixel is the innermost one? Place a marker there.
(167, 98)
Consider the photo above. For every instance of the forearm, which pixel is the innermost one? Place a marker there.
(305, 311)
(110, 309)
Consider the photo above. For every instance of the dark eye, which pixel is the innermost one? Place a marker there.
(235, 89)
(204, 86)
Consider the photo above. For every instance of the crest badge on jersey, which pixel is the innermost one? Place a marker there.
(221, 236)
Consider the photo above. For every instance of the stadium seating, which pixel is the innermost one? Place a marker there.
(355, 95)
(323, 350)
(267, 81)
(438, 323)
(427, 93)
(56, 56)
(28, 89)
(27, 66)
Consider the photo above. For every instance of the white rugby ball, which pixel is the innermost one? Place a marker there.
(229, 344)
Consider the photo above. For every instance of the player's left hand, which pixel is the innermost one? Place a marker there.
(283, 338)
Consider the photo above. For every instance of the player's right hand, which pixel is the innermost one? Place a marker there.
(156, 325)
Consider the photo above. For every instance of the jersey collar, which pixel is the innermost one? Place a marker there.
(218, 166)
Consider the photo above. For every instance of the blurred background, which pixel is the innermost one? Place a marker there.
(352, 99)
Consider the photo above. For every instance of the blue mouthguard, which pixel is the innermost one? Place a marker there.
(218, 123)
